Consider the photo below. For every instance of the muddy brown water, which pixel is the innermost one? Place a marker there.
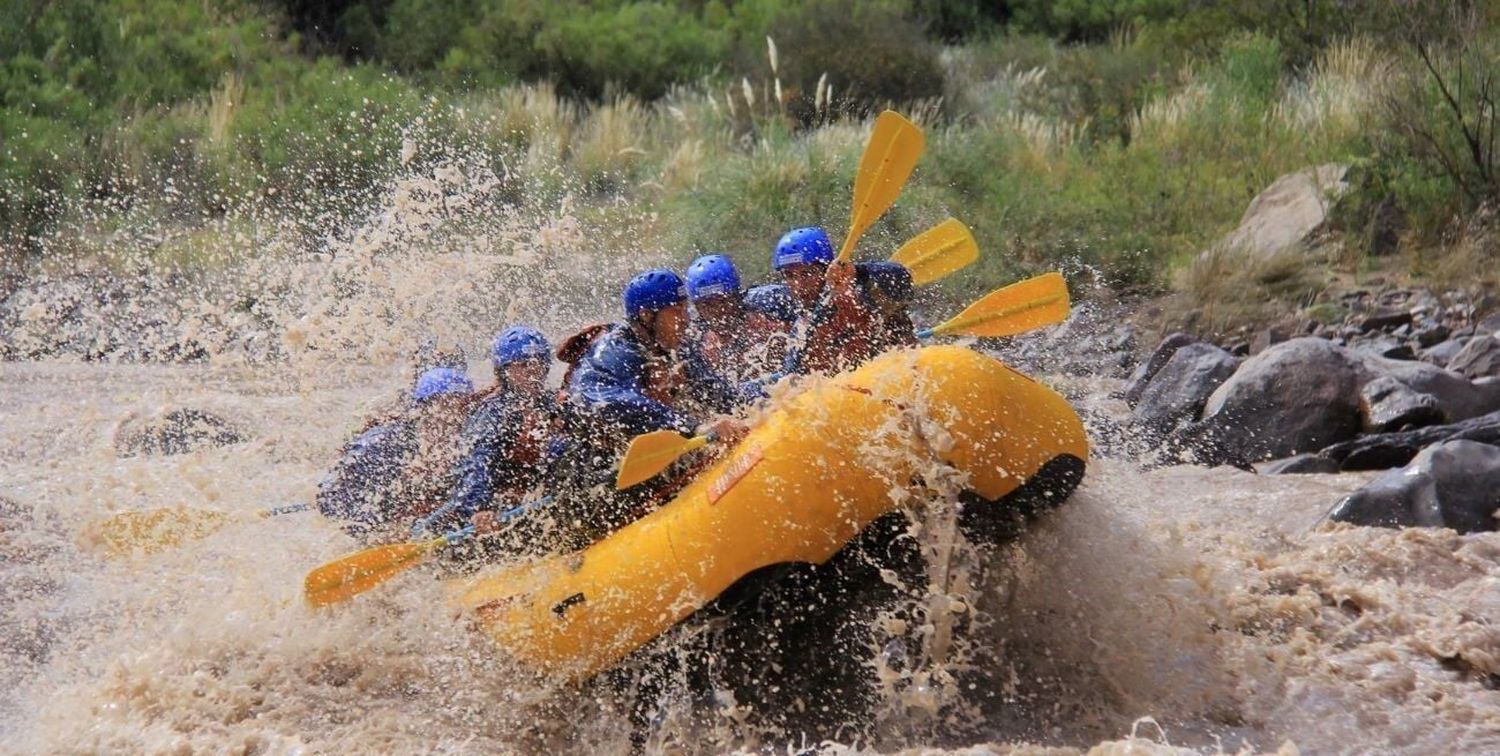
(1176, 608)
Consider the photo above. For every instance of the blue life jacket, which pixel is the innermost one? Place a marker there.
(608, 388)
(364, 488)
(495, 456)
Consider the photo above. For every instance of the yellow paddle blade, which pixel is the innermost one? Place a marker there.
(937, 252)
(650, 453)
(1017, 308)
(152, 530)
(343, 579)
(889, 158)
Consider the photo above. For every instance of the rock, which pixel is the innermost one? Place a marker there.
(1385, 346)
(176, 431)
(1384, 319)
(1430, 335)
(1268, 337)
(1480, 357)
(1300, 464)
(1386, 404)
(1298, 396)
(1282, 217)
(1454, 484)
(1443, 353)
(1457, 397)
(1178, 391)
(1490, 324)
(1386, 450)
(1147, 370)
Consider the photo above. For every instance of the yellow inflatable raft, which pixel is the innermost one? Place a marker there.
(797, 489)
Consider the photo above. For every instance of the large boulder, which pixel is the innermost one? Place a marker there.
(1478, 359)
(1454, 484)
(175, 431)
(1144, 372)
(1179, 390)
(1298, 396)
(1282, 217)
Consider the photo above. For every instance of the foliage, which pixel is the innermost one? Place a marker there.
(1119, 135)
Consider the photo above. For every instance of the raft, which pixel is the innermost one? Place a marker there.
(800, 486)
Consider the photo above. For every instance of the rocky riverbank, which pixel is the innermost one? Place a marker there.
(1409, 377)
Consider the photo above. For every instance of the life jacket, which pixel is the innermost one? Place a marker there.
(573, 349)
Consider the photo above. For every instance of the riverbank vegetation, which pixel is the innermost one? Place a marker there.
(1113, 137)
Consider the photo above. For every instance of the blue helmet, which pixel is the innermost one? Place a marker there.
(891, 278)
(712, 276)
(653, 290)
(773, 301)
(439, 381)
(518, 343)
(802, 245)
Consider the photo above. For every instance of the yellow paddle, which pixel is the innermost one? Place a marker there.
(347, 577)
(1020, 307)
(152, 530)
(889, 158)
(937, 252)
(650, 453)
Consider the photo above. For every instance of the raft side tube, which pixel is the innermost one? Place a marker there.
(797, 489)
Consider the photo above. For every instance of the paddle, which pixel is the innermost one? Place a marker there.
(889, 158)
(152, 530)
(650, 453)
(937, 252)
(347, 577)
(1020, 307)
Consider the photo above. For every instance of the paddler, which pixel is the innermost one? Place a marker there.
(729, 335)
(770, 315)
(510, 439)
(634, 379)
(397, 470)
(846, 313)
(717, 332)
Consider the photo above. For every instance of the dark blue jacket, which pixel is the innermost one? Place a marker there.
(707, 387)
(364, 489)
(609, 388)
(498, 457)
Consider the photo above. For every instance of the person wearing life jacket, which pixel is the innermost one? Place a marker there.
(717, 332)
(770, 315)
(835, 324)
(887, 288)
(426, 356)
(510, 439)
(634, 380)
(386, 475)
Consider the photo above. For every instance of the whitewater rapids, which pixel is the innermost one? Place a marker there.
(1176, 608)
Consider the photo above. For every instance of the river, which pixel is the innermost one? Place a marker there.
(1178, 607)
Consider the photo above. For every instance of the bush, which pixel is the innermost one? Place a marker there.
(872, 55)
